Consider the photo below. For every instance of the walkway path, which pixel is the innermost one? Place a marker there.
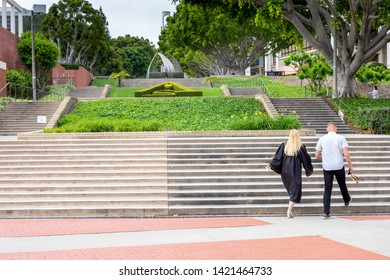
(87, 92)
(235, 238)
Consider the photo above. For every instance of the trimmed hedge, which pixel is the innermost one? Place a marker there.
(160, 90)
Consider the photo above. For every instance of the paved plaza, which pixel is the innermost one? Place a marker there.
(215, 238)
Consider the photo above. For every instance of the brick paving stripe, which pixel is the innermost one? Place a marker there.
(47, 227)
(294, 248)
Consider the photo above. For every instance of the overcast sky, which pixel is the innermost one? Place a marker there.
(142, 18)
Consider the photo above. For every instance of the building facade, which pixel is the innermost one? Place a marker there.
(273, 64)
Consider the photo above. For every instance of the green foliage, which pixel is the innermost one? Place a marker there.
(373, 73)
(56, 92)
(119, 76)
(80, 32)
(4, 101)
(211, 79)
(21, 82)
(263, 122)
(46, 56)
(177, 114)
(19, 77)
(362, 27)
(311, 66)
(71, 66)
(227, 38)
(366, 113)
(101, 82)
(277, 88)
(131, 54)
(72, 124)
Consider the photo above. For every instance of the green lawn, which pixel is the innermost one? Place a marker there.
(177, 114)
(364, 119)
(275, 87)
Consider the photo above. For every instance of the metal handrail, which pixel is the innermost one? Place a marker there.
(23, 93)
(4, 87)
(263, 86)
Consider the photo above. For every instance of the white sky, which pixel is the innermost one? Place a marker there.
(142, 18)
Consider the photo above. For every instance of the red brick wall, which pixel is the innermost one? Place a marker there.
(81, 77)
(8, 54)
(3, 81)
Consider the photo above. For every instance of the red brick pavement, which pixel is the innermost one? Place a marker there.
(46, 227)
(294, 248)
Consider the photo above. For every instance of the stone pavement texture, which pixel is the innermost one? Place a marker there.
(206, 238)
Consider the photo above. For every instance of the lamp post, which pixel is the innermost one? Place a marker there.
(37, 9)
(33, 69)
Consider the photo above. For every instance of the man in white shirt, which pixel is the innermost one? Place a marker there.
(332, 148)
(375, 93)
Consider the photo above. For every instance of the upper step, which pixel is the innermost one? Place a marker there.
(313, 113)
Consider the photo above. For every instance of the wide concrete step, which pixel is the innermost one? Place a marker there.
(174, 176)
(278, 209)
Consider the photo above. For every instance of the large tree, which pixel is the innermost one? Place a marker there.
(79, 31)
(46, 56)
(362, 29)
(228, 38)
(136, 54)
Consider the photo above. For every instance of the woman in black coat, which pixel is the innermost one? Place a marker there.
(288, 162)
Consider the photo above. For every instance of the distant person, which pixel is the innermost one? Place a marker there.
(332, 148)
(288, 162)
(375, 93)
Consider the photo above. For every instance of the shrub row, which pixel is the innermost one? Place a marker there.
(169, 89)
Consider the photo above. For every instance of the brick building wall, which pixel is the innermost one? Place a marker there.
(81, 77)
(9, 57)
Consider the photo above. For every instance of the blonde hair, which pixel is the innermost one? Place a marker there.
(293, 144)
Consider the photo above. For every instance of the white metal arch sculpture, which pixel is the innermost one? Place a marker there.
(167, 67)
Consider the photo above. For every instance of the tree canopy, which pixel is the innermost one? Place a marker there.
(46, 56)
(362, 28)
(135, 54)
(220, 37)
(79, 31)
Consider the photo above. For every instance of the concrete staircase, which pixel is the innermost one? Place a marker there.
(141, 83)
(18, 117)
(77, 178)
(142, 177)
(228, 177)
(314, 113)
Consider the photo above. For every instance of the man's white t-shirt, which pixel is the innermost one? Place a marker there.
(331, 147)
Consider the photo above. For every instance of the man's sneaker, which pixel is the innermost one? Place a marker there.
(326, 216)
(347, 203)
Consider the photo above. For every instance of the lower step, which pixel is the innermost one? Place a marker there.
(84, 212)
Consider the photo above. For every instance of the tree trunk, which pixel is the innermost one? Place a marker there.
(346, 85)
